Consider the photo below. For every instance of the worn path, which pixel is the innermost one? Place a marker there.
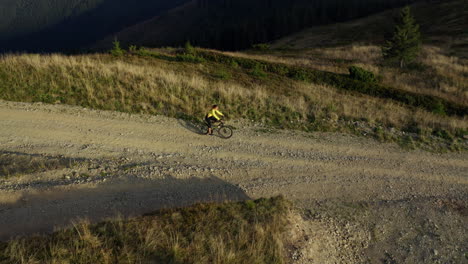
(130, 165)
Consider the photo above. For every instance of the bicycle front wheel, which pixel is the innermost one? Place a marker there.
(225, 132)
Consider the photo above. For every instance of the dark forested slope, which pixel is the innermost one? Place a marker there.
(237, 24)
(20, 17)
(63, 25)
(69, 25)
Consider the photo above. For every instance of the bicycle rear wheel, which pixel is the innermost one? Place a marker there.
(225, 132)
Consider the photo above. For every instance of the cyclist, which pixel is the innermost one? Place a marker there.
(212, 117)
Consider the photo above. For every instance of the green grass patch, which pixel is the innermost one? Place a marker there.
(222, 74)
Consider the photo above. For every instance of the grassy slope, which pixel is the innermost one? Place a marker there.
(442, 69)
(162, 82)
(243, 232)
(184, 86)
(442, 23)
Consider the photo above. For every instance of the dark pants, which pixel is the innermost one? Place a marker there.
(210, 120)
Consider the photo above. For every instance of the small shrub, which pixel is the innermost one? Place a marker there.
(379, 134)
(439, 108)
(222, 74)
(461, 133)
(144, 52)
(189, 58)
(442, 133)
(299, 75)
(133, 49)
(234, 64)
(258, 72)
(261, 47)
(189, 49)
(116, 50)
(357, 73)
(46, 98)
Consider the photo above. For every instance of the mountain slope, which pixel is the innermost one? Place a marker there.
(442, 23)
(27, 16)
(232, 25)
(48, 25)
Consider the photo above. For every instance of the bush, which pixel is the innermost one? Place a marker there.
(189, 49)
(258, 71)
(261, 46)
(299, 75)
(439, 108)
(189, 58)
(116, 49)
(133, 49)
(222, 74)
(234, 64)
(145, 53)
(362, 75)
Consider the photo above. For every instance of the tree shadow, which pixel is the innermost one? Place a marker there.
(45, 211)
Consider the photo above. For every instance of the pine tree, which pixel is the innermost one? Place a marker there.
(405, 44)
(116, 49)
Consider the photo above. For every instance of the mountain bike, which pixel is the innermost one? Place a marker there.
(223, 130)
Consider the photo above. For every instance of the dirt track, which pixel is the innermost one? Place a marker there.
(135, 164)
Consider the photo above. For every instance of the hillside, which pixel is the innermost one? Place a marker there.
(104, 157)
(50, 25)
(234, 25)
(178, 84)
(441, 70)
(443, 23)
(27, 16)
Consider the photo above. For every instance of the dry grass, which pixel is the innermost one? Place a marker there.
(244, 232)
(331, 102)
(436, 74)
(145, 85)
(13, 164)
(442, 23)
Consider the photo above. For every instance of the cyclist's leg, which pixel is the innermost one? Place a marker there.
(209, 122)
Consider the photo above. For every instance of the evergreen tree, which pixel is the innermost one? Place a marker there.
(405, 44)
(116, 49)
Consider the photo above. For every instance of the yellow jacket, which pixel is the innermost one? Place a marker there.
(216, 114)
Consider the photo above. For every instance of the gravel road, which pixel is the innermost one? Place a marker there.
(133, 164)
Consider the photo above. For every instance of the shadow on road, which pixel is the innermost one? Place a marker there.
(197, 128)
(42, 212)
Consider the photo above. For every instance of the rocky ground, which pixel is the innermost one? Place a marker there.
(361, 201)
